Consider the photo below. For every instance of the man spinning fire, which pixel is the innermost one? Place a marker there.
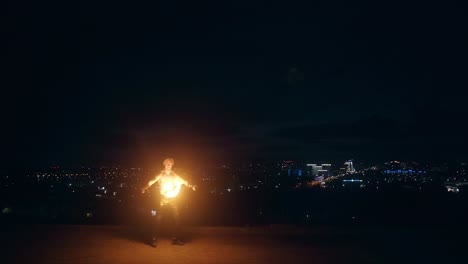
(170, 184)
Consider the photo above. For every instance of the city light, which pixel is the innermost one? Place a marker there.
(352, 180)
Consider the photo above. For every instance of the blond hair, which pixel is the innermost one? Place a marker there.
(168, 160)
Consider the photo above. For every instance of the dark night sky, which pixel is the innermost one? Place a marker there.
(130, 82)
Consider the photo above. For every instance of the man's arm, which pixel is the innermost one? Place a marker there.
(153, 181)
(186, 183)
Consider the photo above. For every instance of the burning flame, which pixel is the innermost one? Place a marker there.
(170, 187)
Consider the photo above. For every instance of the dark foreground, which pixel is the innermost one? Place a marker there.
(278, 244)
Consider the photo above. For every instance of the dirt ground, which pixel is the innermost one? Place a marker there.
(123, 244)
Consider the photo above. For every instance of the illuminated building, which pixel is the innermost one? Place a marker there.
(349, 166)
(322, 170)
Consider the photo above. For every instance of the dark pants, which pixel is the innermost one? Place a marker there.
(168, 208)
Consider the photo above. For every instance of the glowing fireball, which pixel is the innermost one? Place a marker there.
(170, 187)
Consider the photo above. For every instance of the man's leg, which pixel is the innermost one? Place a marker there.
(156, 225)
(176, 240)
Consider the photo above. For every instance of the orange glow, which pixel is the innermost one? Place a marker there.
(170, 186)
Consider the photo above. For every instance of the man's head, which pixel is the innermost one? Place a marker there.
(168, 163)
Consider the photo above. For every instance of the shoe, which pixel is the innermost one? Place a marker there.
(153, 242)
(177, 242)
